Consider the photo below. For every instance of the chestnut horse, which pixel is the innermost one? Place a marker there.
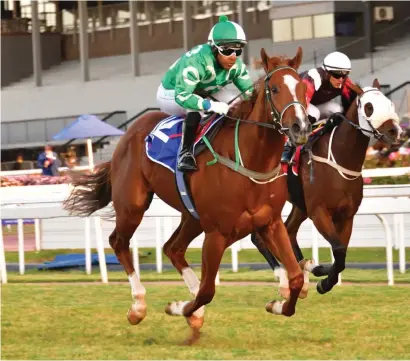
(334, 196)
(230, 205)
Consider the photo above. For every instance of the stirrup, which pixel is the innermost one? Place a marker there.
(187, 163)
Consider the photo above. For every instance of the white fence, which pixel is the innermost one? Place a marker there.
(44, 202)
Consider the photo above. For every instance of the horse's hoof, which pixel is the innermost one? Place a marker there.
(320, 289)
(175, 308)
(136, 313)
(168, 310)
(284, 292)
(275, 307)
(195, 322)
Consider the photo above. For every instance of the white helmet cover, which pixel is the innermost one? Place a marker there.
(337, 62)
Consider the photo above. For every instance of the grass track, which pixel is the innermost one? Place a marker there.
(348, 275)
(88, 322)
(147, 255)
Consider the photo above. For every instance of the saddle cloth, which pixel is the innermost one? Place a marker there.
(162, 144)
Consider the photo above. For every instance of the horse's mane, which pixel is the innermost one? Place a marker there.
(243, 108)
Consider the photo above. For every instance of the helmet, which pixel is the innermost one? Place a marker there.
(226, 32)
(337, 62)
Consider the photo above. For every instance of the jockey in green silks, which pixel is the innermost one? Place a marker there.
(207, 68)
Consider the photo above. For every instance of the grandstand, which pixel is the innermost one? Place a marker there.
(32, 114)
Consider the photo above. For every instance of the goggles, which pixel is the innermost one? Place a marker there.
(229, 49)
(338, 74)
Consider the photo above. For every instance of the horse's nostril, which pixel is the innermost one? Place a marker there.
(295, 128)
(393, 132)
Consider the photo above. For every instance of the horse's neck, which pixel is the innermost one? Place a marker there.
(349, 145)
(261, 147)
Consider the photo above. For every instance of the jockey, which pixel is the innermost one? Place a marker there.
(205, 68)
(323, 85)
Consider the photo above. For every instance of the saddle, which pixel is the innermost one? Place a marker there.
(163, 144)
(295, 187)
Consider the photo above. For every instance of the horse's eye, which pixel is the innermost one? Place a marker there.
(275, 89)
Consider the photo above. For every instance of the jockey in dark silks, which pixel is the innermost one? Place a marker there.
(323, 85)
(207, 68)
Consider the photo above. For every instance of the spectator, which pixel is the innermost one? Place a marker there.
(18, 164)
(49, 162)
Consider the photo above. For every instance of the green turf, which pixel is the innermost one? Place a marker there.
(72, 322)
(147, 255)
(348, 275)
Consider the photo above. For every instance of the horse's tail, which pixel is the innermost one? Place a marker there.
(91, 191)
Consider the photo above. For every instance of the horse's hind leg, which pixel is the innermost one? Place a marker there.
(126, 224)
(264, 251)
(175, 249)
(212, 252)
(276, 238)
(338, 239)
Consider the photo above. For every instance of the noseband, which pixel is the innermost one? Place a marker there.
(276, 115)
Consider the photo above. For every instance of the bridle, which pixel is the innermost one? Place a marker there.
(276, 115)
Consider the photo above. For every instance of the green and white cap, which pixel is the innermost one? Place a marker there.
(226, 32)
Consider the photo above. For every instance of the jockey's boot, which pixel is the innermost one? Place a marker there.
(186, 159)
(288, 151)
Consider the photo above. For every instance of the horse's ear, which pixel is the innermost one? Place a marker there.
(376, 84)
(297, 60)
(265, 59)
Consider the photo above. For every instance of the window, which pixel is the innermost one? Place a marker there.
(282, 30)
(349, 24)
(324, 25)
(302, 28)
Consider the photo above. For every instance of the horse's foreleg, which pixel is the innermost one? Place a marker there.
(212, 252)
(324, 224)
(175, 249)
(120, 242)
(276, 238)
(293, 223)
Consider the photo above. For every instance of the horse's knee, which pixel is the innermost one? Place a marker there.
(206, 296)
(112, 239)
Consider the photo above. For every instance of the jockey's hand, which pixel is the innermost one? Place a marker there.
(218, 107)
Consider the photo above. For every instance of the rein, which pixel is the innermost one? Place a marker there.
(238, 166)
(330, 160)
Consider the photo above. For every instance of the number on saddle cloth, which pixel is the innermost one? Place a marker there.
(162, 144)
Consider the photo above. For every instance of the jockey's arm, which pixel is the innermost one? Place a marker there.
(348, 95)
(310, 85)
(243, 81)
(186, 83)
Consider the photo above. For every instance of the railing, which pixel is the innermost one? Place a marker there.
(378, 201)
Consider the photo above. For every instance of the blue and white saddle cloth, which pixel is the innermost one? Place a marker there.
(162, 144)
(162, 147)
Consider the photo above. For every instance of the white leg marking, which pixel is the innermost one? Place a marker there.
(283, 280)
(177, 308)
(137, 287)
(309, 265)
(192, 282)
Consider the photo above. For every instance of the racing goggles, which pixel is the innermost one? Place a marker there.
(229, 50)
(338, 74)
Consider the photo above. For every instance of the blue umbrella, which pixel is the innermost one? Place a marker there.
(88, 126)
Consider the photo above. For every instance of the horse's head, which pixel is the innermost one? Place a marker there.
(377, 116)
(286, 96)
